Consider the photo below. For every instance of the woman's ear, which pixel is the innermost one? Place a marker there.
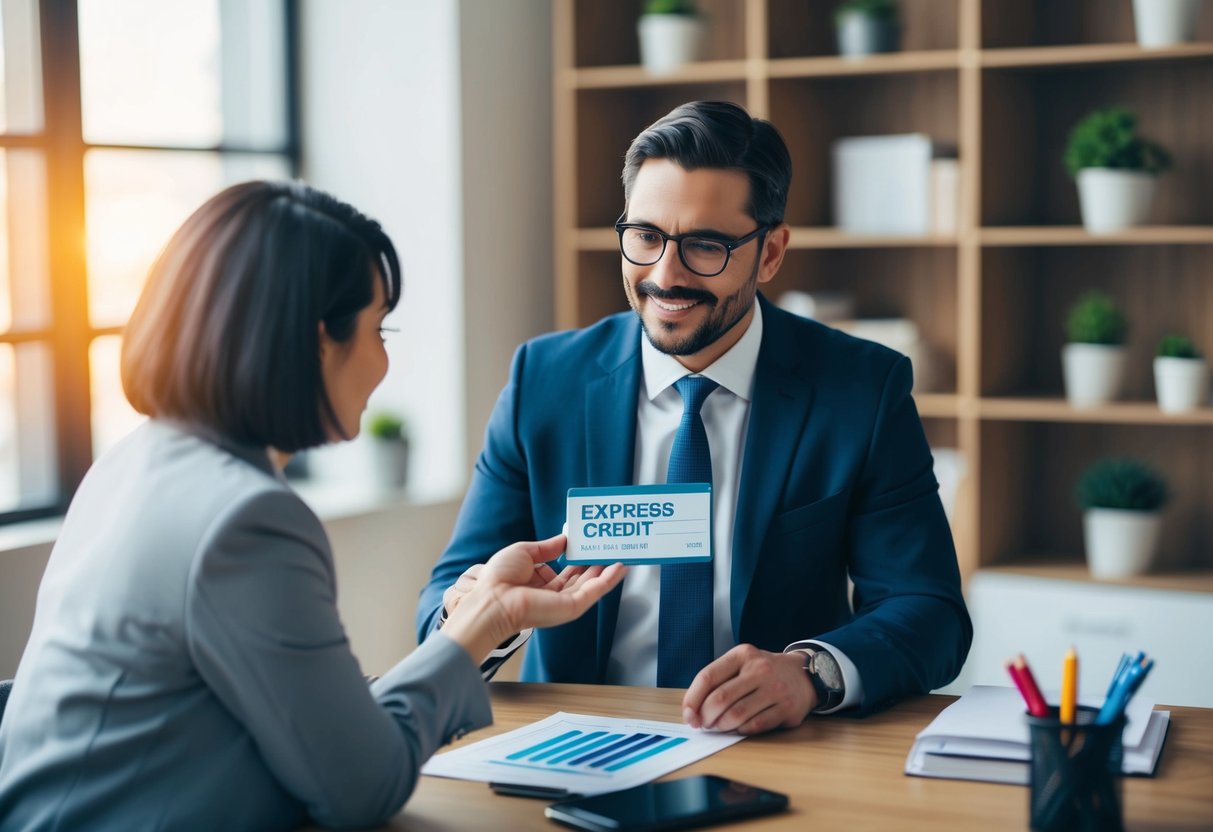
(324, 339)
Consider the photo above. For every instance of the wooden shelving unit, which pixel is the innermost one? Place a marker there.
(1003, 81)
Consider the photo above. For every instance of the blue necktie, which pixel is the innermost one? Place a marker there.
(684, 631)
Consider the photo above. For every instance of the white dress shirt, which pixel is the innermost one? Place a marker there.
(726, 415)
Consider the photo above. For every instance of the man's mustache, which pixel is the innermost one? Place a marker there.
(675, 294)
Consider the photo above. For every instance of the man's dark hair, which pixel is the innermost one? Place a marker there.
(226, 334)
(718, 134)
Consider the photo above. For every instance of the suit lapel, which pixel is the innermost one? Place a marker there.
(610, 418)
(778, 412)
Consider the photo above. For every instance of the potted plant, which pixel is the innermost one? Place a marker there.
(1180, 375)
(1165, 22)
(866, 27)
(1093, 360)
(1115, 168)
(1121, 501)
(390, 453)
(670, 35)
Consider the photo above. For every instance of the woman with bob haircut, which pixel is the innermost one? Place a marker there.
(187, 668)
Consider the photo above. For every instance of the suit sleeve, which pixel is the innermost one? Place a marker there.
(497, 508)
(911, 631)
(264, 633)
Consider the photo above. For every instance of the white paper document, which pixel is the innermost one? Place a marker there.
(583, 754)
(984, 736)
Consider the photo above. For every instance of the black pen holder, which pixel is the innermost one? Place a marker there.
(1075, 773)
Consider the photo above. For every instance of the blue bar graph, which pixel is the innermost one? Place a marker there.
(592, 752)
(652, 752)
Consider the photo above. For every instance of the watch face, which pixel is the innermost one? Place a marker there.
(827, 670)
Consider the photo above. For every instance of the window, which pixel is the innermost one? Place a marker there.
(117, 119)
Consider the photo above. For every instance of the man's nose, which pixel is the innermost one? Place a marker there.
(669, 270)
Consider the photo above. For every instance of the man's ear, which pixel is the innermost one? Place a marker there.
(774, 247)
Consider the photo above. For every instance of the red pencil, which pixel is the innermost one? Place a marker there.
(1017, 677)
(1031, 692)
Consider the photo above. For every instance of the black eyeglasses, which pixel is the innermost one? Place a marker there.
(643, 245)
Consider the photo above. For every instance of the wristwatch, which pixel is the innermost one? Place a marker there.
(825, 676)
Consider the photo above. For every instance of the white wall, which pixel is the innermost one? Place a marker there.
(380, 123)
(506, 95)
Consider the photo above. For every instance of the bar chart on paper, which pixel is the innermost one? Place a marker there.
(584, 754)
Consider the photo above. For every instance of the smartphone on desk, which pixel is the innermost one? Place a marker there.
(674, 804)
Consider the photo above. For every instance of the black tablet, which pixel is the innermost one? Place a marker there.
(674, 804)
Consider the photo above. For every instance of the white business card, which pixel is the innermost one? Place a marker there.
(640, 524)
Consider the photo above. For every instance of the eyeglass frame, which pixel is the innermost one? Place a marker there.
(729, 245)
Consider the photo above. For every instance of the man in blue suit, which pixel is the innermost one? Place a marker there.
(816, 457)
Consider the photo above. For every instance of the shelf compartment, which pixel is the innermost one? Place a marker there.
(1033, 23)
(805, 28)
(1026, 121)
(1096, 53)
(891, 63)
(1059, 410)
(939, 408)
(822, 237)
(605, 33)
(1076, 235)
(1029, 471)
(619, 77)
(918, 284)
(1026, 294)
(1071, 567)
(814, 112)
(599, 286)
(607, 121)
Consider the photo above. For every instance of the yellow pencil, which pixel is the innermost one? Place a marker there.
(1069, 686)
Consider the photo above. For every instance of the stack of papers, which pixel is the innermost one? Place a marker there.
(984, 736)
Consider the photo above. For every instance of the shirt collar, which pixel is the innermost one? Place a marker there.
(733, 371)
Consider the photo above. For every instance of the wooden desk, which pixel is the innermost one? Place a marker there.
(840, 773)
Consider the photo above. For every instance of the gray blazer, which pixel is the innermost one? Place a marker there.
(188, 670)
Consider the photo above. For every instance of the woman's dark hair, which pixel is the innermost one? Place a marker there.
(226, 333)
(718, 134)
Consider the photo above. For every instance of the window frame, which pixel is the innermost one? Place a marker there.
(70, 333)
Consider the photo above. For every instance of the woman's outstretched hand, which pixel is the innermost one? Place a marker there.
(516, 589)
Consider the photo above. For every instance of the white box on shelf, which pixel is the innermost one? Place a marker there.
(945, 196)
(882, 184)
(824, 307)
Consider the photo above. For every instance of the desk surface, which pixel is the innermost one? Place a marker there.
(840, 773)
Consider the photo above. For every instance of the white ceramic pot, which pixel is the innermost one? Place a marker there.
(1093, 373)
(669, 41)
(860, 35)
(1119, 542)
(1112, 200)
(390, 462)
(1181, 383)
(1165, 22)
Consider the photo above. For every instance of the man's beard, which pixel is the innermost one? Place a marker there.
(722, 315)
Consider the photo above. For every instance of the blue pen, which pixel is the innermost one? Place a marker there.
(1116, 699)
(1116, 703)
(1121, 667)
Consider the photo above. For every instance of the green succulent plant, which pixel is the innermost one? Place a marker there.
(383, 425)
(1095, 319)
(1108, 138)
(683, 7)
(879, 9)
(1121, 483)
(1177, 346)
